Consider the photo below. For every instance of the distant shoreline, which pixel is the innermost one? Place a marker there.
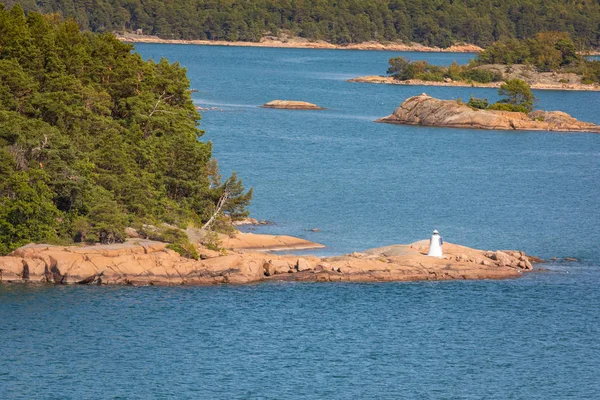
(301, 43)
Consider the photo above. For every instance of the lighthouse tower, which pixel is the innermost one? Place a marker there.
(435, 245)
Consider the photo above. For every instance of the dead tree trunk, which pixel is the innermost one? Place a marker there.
(220, 204)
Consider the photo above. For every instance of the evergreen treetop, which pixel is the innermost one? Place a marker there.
(94, 139)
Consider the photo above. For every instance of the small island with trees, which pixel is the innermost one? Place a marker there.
(547, 61)
(513, 112)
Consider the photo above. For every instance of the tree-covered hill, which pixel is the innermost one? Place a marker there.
(93, 138)
(430, 22)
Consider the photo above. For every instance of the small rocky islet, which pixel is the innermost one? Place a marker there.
(291, 105)
(247, 260)
(429, 111)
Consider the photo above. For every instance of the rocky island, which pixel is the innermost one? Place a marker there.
(147, 262)
(426, 110)
(537, 80)
(547, 62)
(292, 105)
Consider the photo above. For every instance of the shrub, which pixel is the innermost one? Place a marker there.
(507, 107)
(177, 239)
(430, 77)
(211, 241)
(481, 104)
(186, 250)
(453, 71)
(481, 75)
(518, 94)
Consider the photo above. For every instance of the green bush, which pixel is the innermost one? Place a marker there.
(186, 250)
(507, 107)
(403, 69)
(211, 241)
(481, 75)
(162, 234)
(481, 104)
(177, 239)
(430, 77)
(518, 94)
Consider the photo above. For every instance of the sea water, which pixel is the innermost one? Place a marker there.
(362, 185)
(365, 184)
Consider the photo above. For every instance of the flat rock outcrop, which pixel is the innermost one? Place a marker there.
(257, 242)
(426, 110)
(292, 105)
(144, 262)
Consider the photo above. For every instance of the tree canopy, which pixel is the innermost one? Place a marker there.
(94, 139)
(430, 22)
(547, 51)
(403, 69)
(517, 95)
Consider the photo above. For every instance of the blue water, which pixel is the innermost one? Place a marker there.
(363, 185)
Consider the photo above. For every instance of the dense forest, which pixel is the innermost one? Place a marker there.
(430, 22)
(94, 139)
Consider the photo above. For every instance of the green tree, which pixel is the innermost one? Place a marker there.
(27, 213)
(517, 93)
(94, 139)
(546, 51)
(401, 68)
(475, 102)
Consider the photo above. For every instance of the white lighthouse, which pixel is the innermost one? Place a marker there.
(435, 245)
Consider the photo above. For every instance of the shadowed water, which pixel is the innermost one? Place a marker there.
(364, 185)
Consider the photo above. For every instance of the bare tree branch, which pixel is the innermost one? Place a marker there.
(220, 204)
(162, 98)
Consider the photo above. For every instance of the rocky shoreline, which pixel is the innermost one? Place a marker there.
(428, 111)
(388, 80)
(145, 262)
(302, 43)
